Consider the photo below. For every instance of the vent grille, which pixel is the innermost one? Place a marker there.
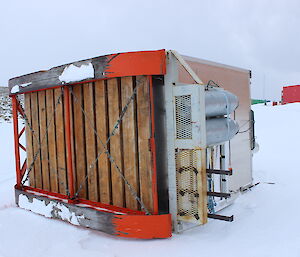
(183, 117)
(187, 172)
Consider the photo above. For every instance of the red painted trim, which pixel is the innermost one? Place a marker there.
(44, 192)
(23, 169)
(136, 63)
(89, 203)
(126, 223)
(20, 110)
(68, 142)
(110, 207)
(153, 150)
(32, 91)
(291, 86)
(21, 132)
(143, 227)
(16, 139)
(22, 147)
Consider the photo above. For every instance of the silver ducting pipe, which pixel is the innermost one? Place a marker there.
(217, 100)
(220, 130)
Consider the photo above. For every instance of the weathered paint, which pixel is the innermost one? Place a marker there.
(107, 66)
(143, 226)
(102, 219)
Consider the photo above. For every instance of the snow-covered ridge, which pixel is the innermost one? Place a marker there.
(5, 105)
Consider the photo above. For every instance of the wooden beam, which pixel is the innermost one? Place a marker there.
(144, 135)
(29, 140)
(90, 144)
(102, 125)
(79, 142)
(115, 142)
(129, 142)
(52, 141)
(43, 138)
(36, 140)
(60, 141)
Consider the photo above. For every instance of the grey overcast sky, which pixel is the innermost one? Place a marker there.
(259, 35)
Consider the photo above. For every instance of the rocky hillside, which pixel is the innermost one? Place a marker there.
(5, 105)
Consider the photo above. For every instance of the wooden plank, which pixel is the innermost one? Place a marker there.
(73, 142)
(129, 142)
(52, 141)
(88, 94)
(102, 131)
(28, 134)
(144, 134)
(36, 140)
(43, 138)
(115, 143)
(79, 142)
(60, 141)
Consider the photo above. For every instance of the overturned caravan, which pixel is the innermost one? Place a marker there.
(135, 144)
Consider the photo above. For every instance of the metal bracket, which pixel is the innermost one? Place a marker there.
(220, 217)
(218, 194)
(220, 172)
(187, 67)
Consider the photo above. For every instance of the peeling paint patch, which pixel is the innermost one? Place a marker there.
(49, 209)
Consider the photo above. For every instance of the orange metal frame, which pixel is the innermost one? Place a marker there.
(141, 225)
(20, 170)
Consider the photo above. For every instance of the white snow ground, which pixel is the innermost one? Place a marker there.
(266, 218)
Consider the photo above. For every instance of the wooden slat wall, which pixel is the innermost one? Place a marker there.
(44, 110)
(95, 107)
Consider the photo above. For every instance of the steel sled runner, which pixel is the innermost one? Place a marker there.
(106, 218)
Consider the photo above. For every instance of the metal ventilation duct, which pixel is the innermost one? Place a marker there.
(220, 130)
(219, 102)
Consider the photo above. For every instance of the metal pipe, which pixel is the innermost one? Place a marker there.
(220, 217)
(218, 194)
(220, 130)
(220, 172)
(219, 102)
